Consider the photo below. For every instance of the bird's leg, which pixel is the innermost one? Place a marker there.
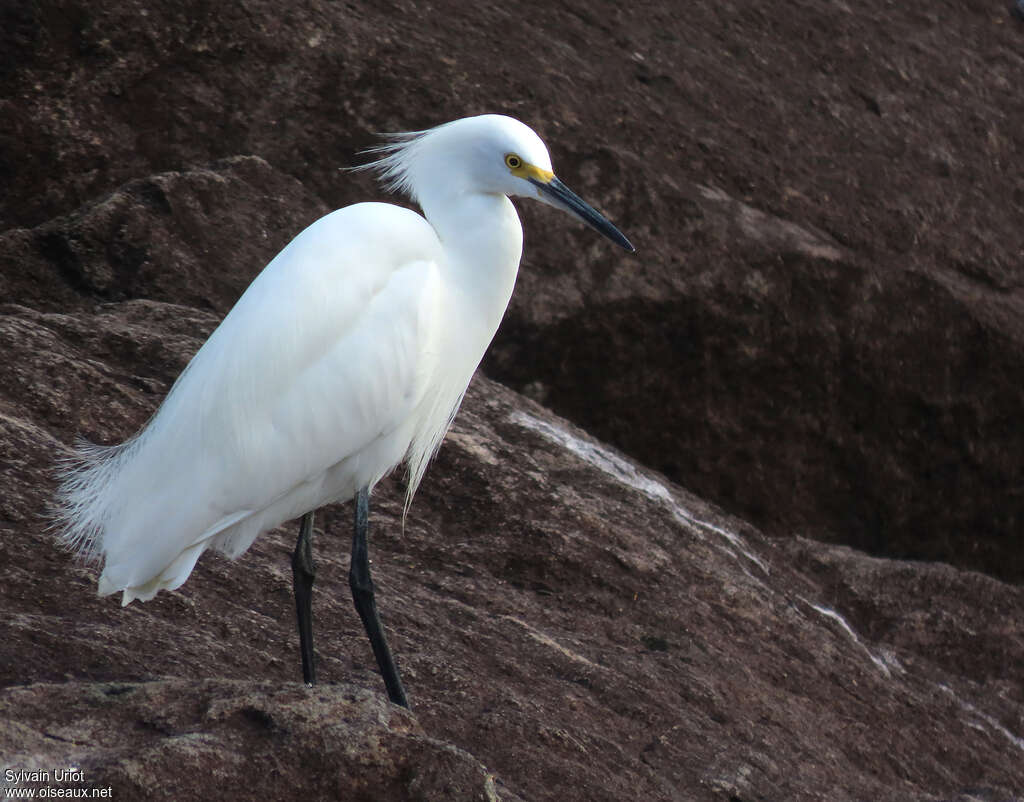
(303, 574)
(362, 594)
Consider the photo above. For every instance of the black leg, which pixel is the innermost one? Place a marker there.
(362, 594)
(303, 574)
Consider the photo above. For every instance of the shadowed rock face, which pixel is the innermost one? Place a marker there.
(821, 331)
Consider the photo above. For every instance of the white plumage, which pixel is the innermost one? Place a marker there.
(348, 355)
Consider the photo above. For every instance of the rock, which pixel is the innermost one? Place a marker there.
(161, 238)
(821, 331)
(876, 401)
(568, 623)
(140, 739)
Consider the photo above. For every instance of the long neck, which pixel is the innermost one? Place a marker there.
(483, 241)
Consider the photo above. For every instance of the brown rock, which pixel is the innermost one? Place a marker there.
(160, 238)
(822, 330)
(797, 382)
(232, 740)
(582, 627)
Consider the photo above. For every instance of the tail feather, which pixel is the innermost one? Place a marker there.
(144, 517)
(119, 506)
(83, 506)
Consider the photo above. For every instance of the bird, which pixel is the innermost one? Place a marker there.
(347, 356)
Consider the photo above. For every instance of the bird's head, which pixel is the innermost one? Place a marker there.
(491, 154)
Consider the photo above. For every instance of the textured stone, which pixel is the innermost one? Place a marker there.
(821, 331)
(578, 625)
(230, 740)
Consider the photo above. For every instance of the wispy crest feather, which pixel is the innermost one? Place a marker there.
(396, 157)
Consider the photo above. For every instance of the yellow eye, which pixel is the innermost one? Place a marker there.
(513, 162)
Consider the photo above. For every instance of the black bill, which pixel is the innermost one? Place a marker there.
(557, 194)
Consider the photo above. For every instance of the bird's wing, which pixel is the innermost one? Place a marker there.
(328, 349)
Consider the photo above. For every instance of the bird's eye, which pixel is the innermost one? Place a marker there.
(513, 162)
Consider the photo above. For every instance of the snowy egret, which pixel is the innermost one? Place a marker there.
(348, 355)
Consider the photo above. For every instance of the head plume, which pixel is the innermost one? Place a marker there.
(395, 158)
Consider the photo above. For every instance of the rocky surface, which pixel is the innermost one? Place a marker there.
(821, 334)
(232, 740)
(570, 626)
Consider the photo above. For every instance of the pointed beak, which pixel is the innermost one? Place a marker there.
(555, 193)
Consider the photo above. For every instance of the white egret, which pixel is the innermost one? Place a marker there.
(348, 355)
